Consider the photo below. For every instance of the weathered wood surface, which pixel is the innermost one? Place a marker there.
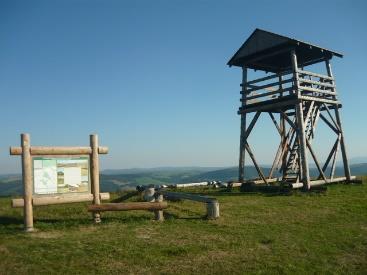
(59, 199)
(58, 150)
(242, 155)
(302, 72)
(126, 206)
(158, 214)
(27, 182)
(191, 184)
(94, 163)
(321, 182)
(212, 210)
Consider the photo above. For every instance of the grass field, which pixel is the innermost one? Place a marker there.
(316, 232)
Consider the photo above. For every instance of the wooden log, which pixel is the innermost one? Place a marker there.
(191, 184)
(270, 85)
(315, 74)
(158, 214)
(95, 175)
(212, 210)
(321, 182)
(314, 90)
(59, 199)
(268, 77)
(27, 182)
(60, 150)
(102, 150)
(253, 181)
(308, 81)
(126, 206)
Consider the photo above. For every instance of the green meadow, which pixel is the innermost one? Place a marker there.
(322, 231)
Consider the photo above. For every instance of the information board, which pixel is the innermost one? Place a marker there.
(59, 175)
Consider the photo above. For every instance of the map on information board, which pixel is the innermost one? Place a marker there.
(53, 175)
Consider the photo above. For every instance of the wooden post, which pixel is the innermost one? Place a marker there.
(95, 175)
(212, 210)
(159, 213)
(283, 140)
(27, 182)
(338, 120)
(241, 165)
(300, 127)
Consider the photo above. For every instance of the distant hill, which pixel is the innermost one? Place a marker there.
(112, 181)
(131, 171)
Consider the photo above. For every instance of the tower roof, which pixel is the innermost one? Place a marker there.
(268, 51)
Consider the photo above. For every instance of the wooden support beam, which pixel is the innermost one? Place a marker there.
(302, 72)
(44, 150)
(275, 123)
(326, 164)
(282, 91)
(304, 172)
(318, 99)
(290, 122)
(314, 90)
(332, 171)
(338, 122)
(241, 161)
(58, 199)
(127, 206)
(251, 126)
(252, 156)
(268, 77)
(269, 85)
(331, 117)
(315, 160)
(329, 124)
(303, 80)
(268, 107)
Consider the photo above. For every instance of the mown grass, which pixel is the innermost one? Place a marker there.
(316, 232)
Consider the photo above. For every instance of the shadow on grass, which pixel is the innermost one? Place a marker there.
(125, 197)
(268, 191)
(11, 225)
(6, 220)
(171, 216)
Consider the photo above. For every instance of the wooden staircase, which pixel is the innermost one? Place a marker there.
(311, 113)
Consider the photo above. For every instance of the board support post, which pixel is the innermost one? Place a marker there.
(95, 175)
(27, 182)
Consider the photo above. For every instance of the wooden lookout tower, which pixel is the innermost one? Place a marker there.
(295, 99)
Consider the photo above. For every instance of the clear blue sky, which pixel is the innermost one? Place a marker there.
(150, 77)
